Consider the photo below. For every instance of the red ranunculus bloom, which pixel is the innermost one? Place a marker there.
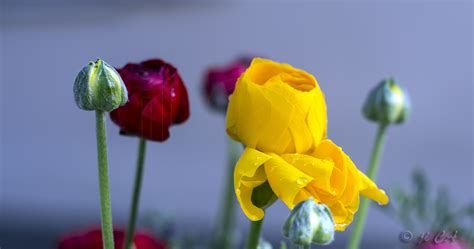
(219, 82)
(157, 98)
(92, 239)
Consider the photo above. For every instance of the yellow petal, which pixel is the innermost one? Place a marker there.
(276, 108)
(320, 170)
(368, 189)
(285, 180)
(341, 215)
(249, 174)
(327, 150)
(278, 119)
(262, 70)
(317, 117)
(351, 191)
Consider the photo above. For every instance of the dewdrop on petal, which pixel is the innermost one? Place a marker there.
(99, 87)
(309, 223)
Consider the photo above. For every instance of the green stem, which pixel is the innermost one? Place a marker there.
(132, 220)
(105, 208)
(254, 234)
(227, 217)
(359, 223)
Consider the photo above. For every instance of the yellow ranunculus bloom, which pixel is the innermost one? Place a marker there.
(277, 108)
(279, 114)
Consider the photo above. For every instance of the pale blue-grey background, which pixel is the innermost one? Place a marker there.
(48, 172)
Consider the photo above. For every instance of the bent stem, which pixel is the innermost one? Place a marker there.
(136, 194)
(359, 223)
(105, 208)
(254, 234)
(225, 230)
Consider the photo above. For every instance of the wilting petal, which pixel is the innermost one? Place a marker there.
(368, 189)
(285, 180)
(249, 174)
(330, 151)
(320, 170)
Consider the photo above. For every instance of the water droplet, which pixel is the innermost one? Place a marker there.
(302, 181)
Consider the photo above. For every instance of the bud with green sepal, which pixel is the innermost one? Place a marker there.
(263, 244)
(387, 103)
(99, 87)
(309, 223)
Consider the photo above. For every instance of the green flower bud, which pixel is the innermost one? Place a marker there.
(387, 103)
(263, 244)
(99, 87)
(309, 222)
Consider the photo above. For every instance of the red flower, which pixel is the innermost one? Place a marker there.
(92, 239)
(219, 82)
(157, 99)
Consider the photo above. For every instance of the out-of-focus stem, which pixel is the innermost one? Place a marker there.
(254, 234)
(359, 223)
(136, 194)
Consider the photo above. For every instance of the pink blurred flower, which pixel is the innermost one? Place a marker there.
(92, 239)
(219, 82)
(457, 244)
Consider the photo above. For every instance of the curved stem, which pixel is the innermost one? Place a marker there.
(105, 208)
(359, 223)
(136, 194)
(254, 234)
(227, 216)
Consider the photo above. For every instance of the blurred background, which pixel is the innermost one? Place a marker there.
(48, 174)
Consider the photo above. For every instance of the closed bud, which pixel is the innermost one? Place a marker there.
(263, 244)
(309, 222)
(387, 103)
(99, 87)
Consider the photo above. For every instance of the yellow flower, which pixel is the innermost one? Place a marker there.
(279, 114)
(277, 108)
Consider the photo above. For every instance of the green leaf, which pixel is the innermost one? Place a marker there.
(421, 186)
(441, 206)
(469, 210)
